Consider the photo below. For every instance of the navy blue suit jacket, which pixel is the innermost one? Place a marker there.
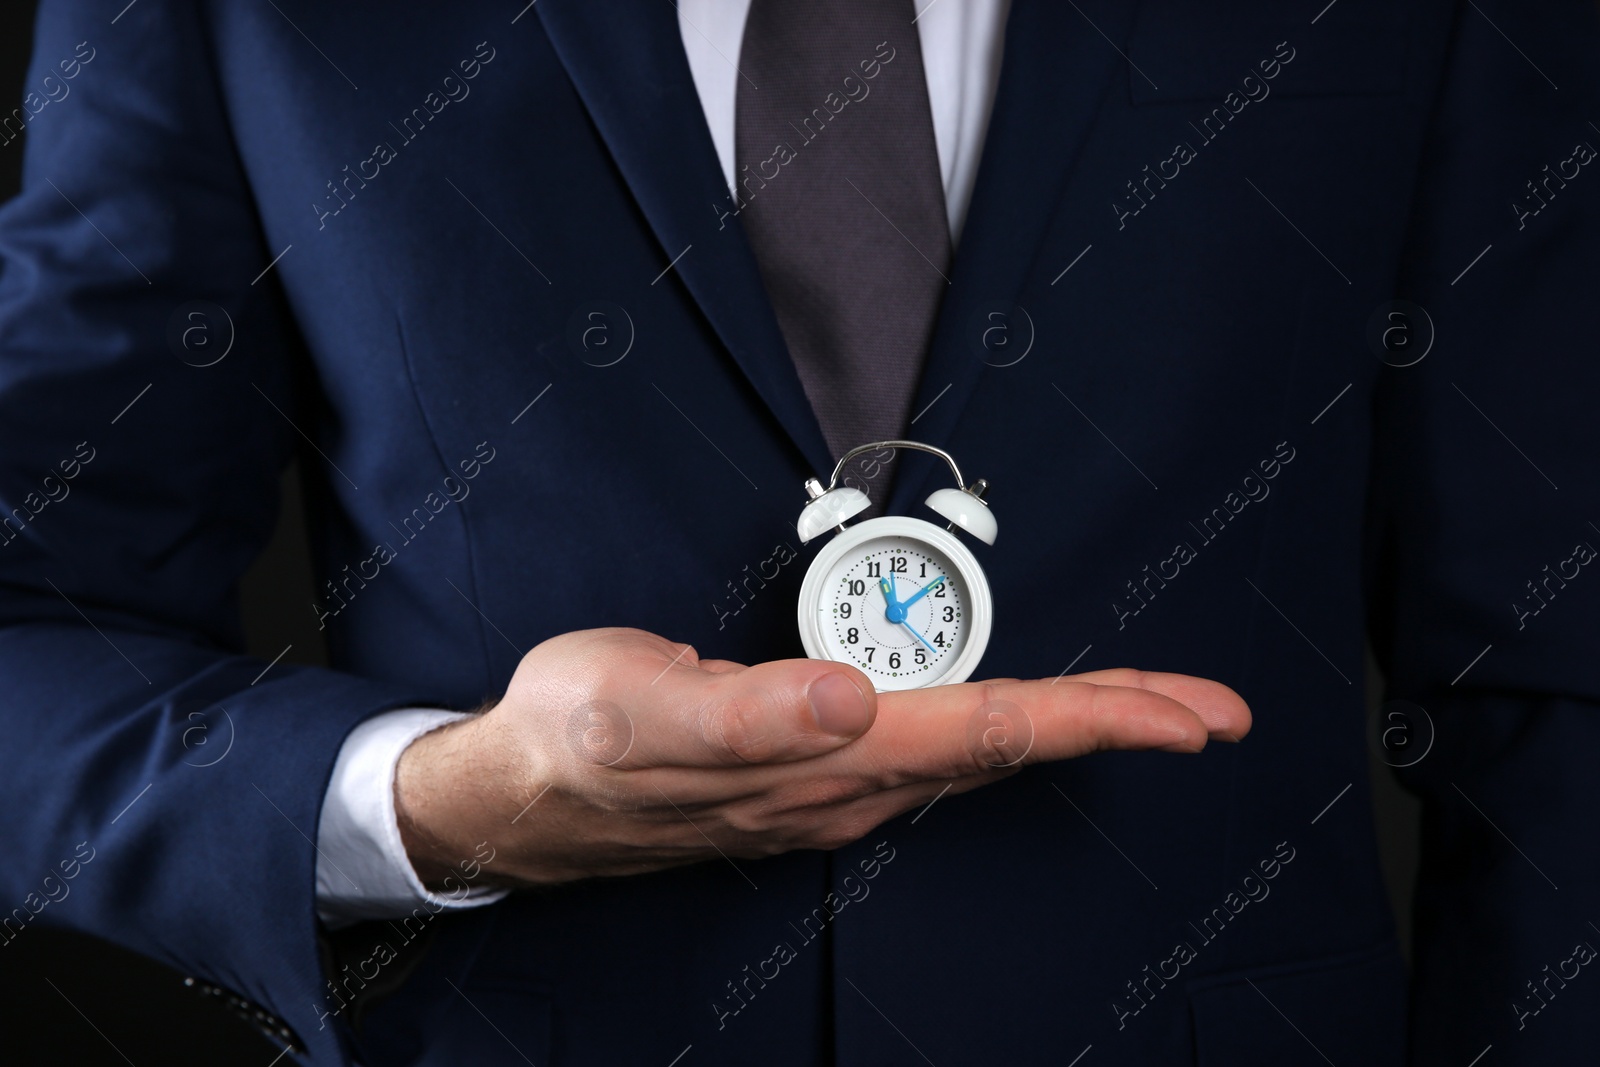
(1158, 344)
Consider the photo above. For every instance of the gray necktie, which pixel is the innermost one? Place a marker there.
(843, 203)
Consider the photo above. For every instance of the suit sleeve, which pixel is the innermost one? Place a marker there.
(1485, 591)
(138, 474)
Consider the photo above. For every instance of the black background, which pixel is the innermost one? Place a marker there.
(72, 999)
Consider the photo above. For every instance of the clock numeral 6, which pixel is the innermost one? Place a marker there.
(894, 660)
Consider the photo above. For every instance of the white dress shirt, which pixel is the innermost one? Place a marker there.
(362, 869)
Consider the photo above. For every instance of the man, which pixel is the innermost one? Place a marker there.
(1160, 328)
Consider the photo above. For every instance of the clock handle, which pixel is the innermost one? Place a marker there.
(831, 506)
(914, 445)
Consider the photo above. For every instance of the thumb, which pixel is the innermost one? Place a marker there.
(769, 713)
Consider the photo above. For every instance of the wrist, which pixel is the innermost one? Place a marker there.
(440, 797)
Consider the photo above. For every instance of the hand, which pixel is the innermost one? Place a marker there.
(618, 752)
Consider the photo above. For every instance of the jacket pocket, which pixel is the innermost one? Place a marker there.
(1347, 1009)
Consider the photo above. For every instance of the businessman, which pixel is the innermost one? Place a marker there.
(1267, 327)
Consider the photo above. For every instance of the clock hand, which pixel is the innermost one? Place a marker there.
(924, 591)
(893, 610)
(919, 637)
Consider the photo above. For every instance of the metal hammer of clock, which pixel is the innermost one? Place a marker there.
(898, 597)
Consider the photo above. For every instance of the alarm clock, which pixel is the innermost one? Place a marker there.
(897, 597)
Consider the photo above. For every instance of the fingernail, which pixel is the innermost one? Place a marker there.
(838, 706)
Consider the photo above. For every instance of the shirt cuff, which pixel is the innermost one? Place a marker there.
(362, 868)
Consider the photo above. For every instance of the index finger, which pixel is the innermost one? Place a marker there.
(946, 731)
(1226, 715)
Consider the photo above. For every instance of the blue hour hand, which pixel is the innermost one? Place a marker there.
(893, 610)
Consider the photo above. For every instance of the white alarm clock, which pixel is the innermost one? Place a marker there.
(899, 598)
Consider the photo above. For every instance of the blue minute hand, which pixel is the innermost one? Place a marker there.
(924, 591)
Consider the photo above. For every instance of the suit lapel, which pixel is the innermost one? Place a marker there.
(632, 75)
(634, 79)
(1056, 69)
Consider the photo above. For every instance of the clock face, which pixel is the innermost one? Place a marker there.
(897, 608)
